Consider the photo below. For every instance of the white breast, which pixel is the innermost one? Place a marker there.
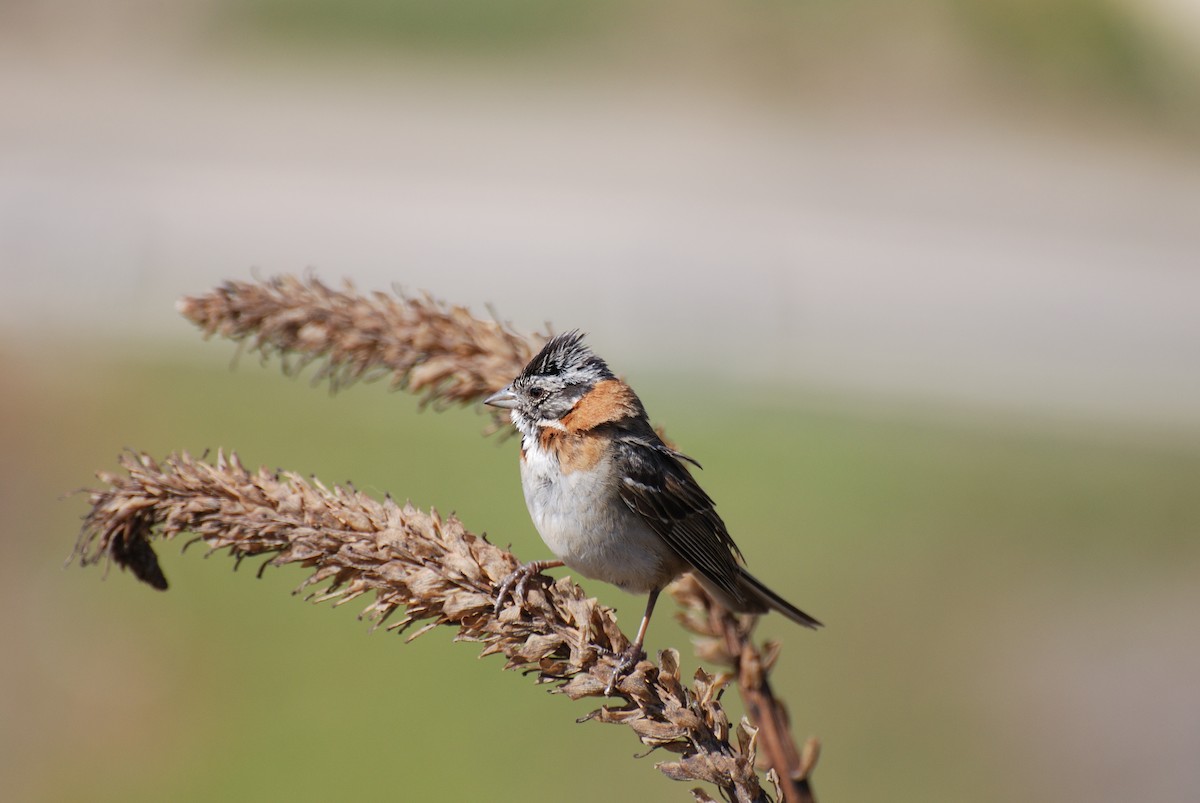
(583, 521)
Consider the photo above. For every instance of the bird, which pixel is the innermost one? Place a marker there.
(610, 498)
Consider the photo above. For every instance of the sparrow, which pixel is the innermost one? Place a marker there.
(611, 500)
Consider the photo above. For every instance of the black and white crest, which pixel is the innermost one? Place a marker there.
(565, 355)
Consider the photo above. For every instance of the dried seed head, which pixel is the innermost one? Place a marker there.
(442, 353)
(433, 570)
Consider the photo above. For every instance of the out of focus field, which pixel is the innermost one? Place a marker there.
(997, 595)
(919, 285)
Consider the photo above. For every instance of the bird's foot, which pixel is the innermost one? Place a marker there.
(626, 661)
(513, 586)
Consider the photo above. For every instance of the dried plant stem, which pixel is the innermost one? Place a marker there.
(726, 639)
(434, 569)
(439, 352)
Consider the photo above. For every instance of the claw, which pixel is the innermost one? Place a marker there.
(513, 586)
(626, 661)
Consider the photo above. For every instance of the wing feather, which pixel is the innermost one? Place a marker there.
(659, 488)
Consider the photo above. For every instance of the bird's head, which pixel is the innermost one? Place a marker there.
(552, 383)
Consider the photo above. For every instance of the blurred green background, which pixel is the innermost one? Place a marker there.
(917, 285)
(996, 594)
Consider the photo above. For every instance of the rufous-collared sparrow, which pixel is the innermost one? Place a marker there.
(609, 498)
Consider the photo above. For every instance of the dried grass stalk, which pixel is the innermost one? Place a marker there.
(445, 355)
(442, 353)
(725, 638)
(433, 569)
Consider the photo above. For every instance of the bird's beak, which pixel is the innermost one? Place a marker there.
(503, 398)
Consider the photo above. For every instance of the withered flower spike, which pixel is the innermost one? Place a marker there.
(441, 353)
(726, 638)
(432, 567)
(445, 356)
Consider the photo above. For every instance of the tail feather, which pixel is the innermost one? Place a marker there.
(760, 593)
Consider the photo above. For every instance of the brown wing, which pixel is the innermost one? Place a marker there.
(658, 487)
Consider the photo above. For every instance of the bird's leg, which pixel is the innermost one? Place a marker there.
(513, 586)
(628, 659)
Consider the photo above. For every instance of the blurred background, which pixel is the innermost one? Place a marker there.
(919, 284)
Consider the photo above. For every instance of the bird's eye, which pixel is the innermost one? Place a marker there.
(536, 393)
